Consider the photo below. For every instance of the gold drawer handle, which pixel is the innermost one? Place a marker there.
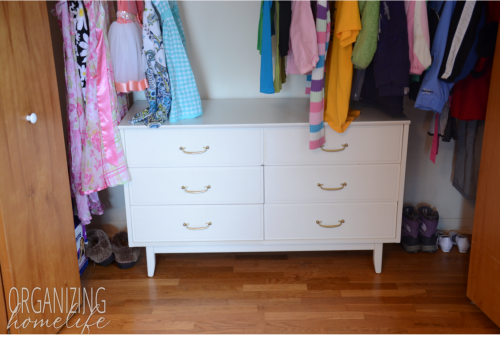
(202, 228)
(194, 152)
(331, 226)
(332, 189)
(196, 192)
(335, 150)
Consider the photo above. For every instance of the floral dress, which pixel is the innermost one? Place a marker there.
(80, 20)
(104, 161)
(158, 92)
(86, 204)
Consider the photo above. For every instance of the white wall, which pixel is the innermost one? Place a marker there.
(221, 41)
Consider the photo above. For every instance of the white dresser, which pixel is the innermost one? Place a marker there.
(241, 178)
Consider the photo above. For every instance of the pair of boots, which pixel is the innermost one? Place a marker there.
(418, 232)
(103, 251)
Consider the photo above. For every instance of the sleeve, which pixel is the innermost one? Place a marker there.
(464, 26)
(366, 42)
(421, 42)
(349, 23)
(303, 37)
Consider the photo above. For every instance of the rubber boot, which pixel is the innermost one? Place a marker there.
(409, 230)
(428, 224)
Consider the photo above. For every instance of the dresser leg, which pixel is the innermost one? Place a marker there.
(151, 260)
(377, 257)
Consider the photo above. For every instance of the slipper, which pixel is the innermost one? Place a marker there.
(98, 247)
(125, 256)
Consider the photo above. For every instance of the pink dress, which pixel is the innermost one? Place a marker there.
(104, 164)
(85, 203)
(125, 42)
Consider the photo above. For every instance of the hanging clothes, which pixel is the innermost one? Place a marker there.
(104, 161)
(125, 42)
(418, 36)
(387, 76)
(122, 98)
(285, 13)
(460, 53)
(366, 42)
(80, 19)
(434, 92)
(85, 204)
(346, 27)
(186, 103)
(358, 78)
(434, 10)
(466, 173)
(158, 92)
(303, 52)
(279, 68)
(316, 108)
(470, 97)
(266, 53)
(109, 13)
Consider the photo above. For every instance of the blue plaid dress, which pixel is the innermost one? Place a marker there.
(186, 103)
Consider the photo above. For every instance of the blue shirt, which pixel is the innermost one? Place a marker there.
(266, 56)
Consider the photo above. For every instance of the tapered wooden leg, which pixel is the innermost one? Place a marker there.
(377, 257)
(151, 260)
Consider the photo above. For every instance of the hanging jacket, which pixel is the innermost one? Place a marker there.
(460, 54)
(433, 92)
(470, 95)
(387, 75)
(418, 36)
(391, 60)
(366, 42)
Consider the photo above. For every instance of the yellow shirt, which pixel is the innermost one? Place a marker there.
(345, 29)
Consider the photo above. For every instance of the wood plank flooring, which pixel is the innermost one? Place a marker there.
(296, 292)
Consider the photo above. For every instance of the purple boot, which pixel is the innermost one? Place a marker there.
(409, 230)
(429, 221)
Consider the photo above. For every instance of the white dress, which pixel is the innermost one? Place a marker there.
(125, 43)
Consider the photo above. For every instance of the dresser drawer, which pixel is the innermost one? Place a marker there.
(165, 224)
(285, 184)
(341, 221)
(364, 144)
(200, 147)
(210, 185)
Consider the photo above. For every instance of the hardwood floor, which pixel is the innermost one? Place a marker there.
(297, 292)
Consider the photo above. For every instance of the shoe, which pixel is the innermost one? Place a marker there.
(461, 241)
(98, 247)
(125, 256)
(428, 224)
(444, 241)
(409, 230)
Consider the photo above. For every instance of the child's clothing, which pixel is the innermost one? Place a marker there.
(125, 42)
(158, 93)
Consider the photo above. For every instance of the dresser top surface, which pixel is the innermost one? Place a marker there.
(292, 112)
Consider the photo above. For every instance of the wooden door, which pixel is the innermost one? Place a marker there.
(37, 240)
(3, 310)
(483, 287)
